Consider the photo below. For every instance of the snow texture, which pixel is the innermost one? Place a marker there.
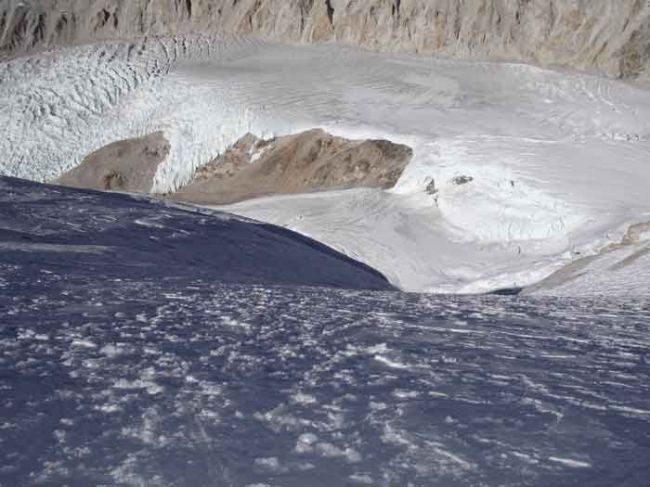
(150, 370)
(120, 237)
(556, 162)
(620, 271)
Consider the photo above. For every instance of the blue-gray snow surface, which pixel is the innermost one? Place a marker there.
(106, 236)
(148, 345)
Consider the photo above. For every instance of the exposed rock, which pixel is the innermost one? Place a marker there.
(300, 163)
(114, 180)
(461, 180)
(127, 165)
(612, 36)
(431, 187)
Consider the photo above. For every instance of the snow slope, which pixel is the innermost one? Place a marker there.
(621, 270)
(114, 238)
(559, 161)
(190, 382)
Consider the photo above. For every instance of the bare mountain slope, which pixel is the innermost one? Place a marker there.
(299, 163)
(125, 165)
(605, 35)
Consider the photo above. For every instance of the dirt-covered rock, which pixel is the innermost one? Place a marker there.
(298, 163)
(127, 165)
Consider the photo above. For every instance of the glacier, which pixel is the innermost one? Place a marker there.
(147, 342)
(558, 160)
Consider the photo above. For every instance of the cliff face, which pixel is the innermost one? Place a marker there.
(612, 36)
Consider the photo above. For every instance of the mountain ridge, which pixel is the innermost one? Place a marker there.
(597, 35)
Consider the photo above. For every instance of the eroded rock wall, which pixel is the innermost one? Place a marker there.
(611, 36)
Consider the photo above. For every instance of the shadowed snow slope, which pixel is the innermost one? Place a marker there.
(555, 164)
(114, 237)
(185, 382)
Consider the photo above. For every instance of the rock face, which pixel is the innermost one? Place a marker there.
(252, 167)
(127, 165)
(300, 163)
(612, 36)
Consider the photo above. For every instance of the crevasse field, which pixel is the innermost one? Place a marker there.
(559, 161)
(144, 343)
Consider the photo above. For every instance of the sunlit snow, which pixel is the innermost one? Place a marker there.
(558, 160)
(150, 343)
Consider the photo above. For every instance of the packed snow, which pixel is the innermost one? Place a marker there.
(141, 367)
(555, 164)
(150, 343)
(619, 271)
(117, 236)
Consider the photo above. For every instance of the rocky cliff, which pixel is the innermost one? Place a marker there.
(611, 36)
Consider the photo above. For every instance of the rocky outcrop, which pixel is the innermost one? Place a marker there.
(252, 167)
(605, 35)
(126, 165)
(299, 163)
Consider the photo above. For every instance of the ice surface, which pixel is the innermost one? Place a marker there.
(151, 344)
(558, 160)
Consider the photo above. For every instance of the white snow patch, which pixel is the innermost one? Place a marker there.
(568, 462)
(303, 399)
(393, 364)
(305, 443)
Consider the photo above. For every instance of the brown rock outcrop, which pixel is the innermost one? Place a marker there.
(128, 165)
(252, 167)
(300, 163)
